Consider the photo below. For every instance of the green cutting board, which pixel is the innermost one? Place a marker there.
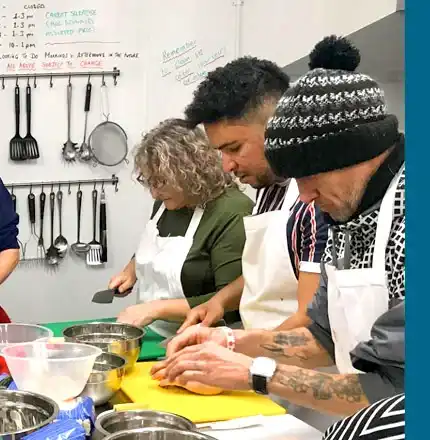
(151, 349)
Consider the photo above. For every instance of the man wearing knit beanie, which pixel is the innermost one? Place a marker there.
(332, 133)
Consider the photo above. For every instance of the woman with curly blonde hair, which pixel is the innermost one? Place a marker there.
(192, 245)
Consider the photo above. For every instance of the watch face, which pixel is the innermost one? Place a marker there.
(263, 366)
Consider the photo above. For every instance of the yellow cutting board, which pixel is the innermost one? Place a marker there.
(142, 389)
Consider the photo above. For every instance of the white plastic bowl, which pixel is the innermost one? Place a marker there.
(57, 370)
(17, 333)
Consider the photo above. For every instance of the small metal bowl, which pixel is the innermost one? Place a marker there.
(112, 337)
(22, 413)
(158, 434)
(106, 378)
(111, 422)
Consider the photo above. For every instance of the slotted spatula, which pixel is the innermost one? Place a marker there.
(94, 254)
(17, 146)
(31, 147)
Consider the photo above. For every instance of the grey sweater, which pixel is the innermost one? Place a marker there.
(382, 357)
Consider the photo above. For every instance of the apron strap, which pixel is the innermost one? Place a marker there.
(159, 213)
(291, 195)
(385, 220)
(194, 223)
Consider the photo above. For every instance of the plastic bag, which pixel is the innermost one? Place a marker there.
(5, 381)
(59, 430)
(80, 409)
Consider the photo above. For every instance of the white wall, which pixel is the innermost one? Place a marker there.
(395, 98)
(286, 30)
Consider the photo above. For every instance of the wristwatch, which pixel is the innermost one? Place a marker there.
(261, 372)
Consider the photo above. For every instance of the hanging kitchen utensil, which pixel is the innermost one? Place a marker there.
(17, 146)
(31, 201)
(69, 148)
(79, 248)
(95, 251)
(107, 296)
(84, 152)
(21, 246)
(103, 227)
(31, 147)
(108, 140)
(52, 256)
(41, 244)
(60, 242)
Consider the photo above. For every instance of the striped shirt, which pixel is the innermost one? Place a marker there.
(306, 229)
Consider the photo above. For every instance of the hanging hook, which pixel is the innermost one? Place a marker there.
(115, 74)
(59, 186)
(11, 189)
(79, 186)
(41, 187)
(70, 80)
(52, 187)
(28, 80)
(103, 80)
(69, 191)
(31, 188)
(2, 83)
(51, 84)
(89, 78)
(103, 187)
(95, 183)
(17, 80)
(34, 82)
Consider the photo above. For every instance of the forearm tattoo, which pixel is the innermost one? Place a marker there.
(323, 386)
(290, 344)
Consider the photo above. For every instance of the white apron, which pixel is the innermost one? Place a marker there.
(357, 297)
(270, 292)
(159, 262)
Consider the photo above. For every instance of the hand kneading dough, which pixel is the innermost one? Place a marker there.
(193, 387)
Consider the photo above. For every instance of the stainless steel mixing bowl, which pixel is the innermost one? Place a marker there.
(22, 413)
(112, 337)
(106, 378)
(158, 434)
(111, 422)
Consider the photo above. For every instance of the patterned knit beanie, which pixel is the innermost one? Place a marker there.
(331, 118)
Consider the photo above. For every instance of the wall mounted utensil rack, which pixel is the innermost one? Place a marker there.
(114, 180)
(114, 73)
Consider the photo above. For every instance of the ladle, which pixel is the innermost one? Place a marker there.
(79, 248)
(60, 242)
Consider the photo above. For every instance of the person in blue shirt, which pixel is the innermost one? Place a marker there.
(9, 247)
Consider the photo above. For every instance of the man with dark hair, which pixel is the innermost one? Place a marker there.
(285, 238)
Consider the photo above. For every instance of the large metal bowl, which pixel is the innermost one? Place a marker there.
(111, 422)
(106, 378)
(158, 434)
(22, 413)
(112, 337)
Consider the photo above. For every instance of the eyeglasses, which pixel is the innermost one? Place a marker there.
(142, 180)
(151, 183)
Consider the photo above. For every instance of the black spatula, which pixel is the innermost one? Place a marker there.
(107, 296)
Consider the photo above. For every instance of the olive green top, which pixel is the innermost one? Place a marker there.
(215, 258)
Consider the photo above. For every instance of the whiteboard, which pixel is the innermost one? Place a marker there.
(185, 40)
(71, 36)
(54, 36)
